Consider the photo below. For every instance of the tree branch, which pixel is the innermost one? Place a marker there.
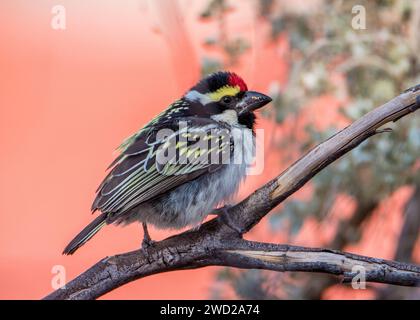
(217, 244)
(406, 244)
(410, 229)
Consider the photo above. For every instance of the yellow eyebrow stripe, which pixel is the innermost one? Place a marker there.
(224, 91)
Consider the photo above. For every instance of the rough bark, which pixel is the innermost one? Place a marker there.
(217, 244)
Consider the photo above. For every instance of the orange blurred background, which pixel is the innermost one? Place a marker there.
(69, 97)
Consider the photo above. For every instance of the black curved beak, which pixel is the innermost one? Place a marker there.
(252, 101)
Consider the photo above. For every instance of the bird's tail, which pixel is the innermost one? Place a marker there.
(87, 233)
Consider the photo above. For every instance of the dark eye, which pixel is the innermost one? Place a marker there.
(227, 99)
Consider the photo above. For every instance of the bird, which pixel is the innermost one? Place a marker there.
(182, 165)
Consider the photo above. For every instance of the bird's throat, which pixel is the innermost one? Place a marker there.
(247, 119)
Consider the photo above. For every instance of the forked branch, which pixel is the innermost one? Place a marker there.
(217, 244)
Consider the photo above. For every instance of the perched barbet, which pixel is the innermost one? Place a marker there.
(184, 163)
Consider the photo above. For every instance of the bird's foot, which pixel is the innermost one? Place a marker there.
(147, 242)
(224, 216)
(145, 246)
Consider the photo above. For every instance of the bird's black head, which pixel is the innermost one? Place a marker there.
(225, 94)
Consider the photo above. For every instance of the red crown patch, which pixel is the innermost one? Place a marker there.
(235, 80)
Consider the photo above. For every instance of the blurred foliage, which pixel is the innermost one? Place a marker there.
(375, 64)
(230, 47)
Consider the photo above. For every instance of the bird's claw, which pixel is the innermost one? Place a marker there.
(147, 243)
(223, 215)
